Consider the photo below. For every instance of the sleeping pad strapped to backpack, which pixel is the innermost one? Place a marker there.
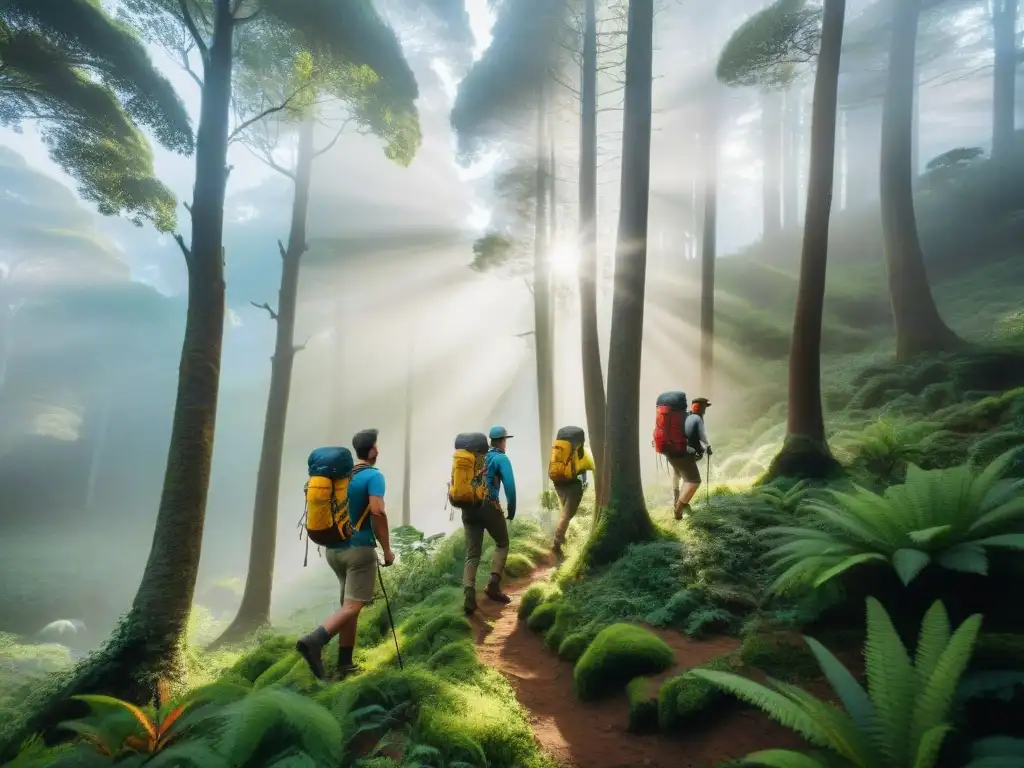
(327, 519)
(468, 484)
(669, 424)
(566, 452)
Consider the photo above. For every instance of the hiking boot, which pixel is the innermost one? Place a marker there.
(347, 671)
(494, 592)
(469, 601)
(682, 511)
(311, 649)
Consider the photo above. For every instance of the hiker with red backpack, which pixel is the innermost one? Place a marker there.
(345, 513)
(681, 437)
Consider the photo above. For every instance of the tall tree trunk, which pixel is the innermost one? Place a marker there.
(1004, 79)
(593, 375)
(790, 166)
(542, 298)
(709, 243)
(771, 151)
(915, 126)
(146, 649)
(624, 519)
(254, 611)
(806, 451)
(407, 455)
(919, 327)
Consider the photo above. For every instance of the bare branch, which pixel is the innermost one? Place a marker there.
(282, 249)
(190, 23)
(185, 250)
(264, 305)
(268, 159)
(265, 113)
(524, 335)
(299, 347)
(333, 141)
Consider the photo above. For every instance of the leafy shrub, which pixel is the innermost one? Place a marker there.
(945, 516)
(901, 720)
(685, 698)
(618, 654)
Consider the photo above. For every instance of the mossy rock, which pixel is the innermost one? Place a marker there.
(543, 618)
(930, 373)
(517, 565)
(575, 644)
(942, 449)
(618, 654)
(877, 390)
(990, 447)
(642, 693)
(565, 618)
(938, 395)
(684, 699)
(534, 596)
(781, 655)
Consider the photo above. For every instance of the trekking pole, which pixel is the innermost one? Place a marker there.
(391, 618)
(707, 490)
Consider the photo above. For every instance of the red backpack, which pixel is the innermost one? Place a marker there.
(669, 423)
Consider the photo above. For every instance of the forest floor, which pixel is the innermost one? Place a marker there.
(595, 734)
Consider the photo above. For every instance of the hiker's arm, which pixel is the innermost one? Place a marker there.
(509, 481)
(587, 463)
(703, 434)
(378, 513)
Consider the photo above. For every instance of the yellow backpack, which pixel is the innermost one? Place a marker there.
(566, 452)
(326, 518)
(468, 484)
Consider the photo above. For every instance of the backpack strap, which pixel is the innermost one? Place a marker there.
(366, 512)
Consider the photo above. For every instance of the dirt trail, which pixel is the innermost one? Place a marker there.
(594, 735)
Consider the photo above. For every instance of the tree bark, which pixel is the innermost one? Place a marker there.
(593, 375)
(805, 451)
(709, 243)
(624, 518)
(254, 611)
(919, 327)
(790, 166)
(1004, 79)
(407, 455)
(771, 151)
(145, 650)
(542, 298)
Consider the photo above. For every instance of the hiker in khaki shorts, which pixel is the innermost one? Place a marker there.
(489, 517)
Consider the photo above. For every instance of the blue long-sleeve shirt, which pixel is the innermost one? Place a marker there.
(499, 472)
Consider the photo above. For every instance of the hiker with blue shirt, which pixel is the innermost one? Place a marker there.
(354, 561)
(488, 516)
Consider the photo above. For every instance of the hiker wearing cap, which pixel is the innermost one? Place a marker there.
(488, 516)
(354, 560)
(567, 469)
(686, 467)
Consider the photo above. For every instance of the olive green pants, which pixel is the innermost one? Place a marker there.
(475, 520)
(569, 497)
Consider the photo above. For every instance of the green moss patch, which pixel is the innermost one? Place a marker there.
(782, 655)
(642, 693)
(618, 654)
(686, 699)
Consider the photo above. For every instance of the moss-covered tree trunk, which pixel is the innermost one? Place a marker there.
(805, 452)
(1004, 79)
(771, 151)
(542, 296)
(593, 374)
(146, 648)
(624, 519)
(254, 611)
(919, 327)
(709, 241)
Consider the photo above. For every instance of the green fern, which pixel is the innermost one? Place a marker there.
(900, 721)
(949, 517)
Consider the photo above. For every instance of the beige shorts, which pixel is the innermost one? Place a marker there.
(356, 569)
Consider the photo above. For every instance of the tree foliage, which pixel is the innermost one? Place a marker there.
(504, 85)
(768, 47)
(90, 83)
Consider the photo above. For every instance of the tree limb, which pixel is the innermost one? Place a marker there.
(282, 249)
(190, 23)
(268, 159)
(333, 141)
(265, 113)
(185, 250)
(266, 306)
(299, 347)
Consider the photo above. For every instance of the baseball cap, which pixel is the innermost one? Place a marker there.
(702, 400)
(497, 433)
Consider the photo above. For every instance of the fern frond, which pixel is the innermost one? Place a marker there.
(1005, 540)
(854, 698)
(844, 737)
(931, 642)
(93, 699)
(1010, 512)
(928, 747)
(783, 758)
(967, 557)
(935, 700)
(891, 681)
(771, 702)
(928, 535)
(846, 565)
(92, 735)
(196, 753)
(852, 521)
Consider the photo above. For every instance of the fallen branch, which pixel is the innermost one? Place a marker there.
(266, 306)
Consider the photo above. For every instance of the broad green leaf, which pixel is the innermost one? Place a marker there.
(845, 565)
(854, 698)
(928, 535)
(929, 746)
(783, 758)
(909, 563)
(1007, 540)
(967, 558)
